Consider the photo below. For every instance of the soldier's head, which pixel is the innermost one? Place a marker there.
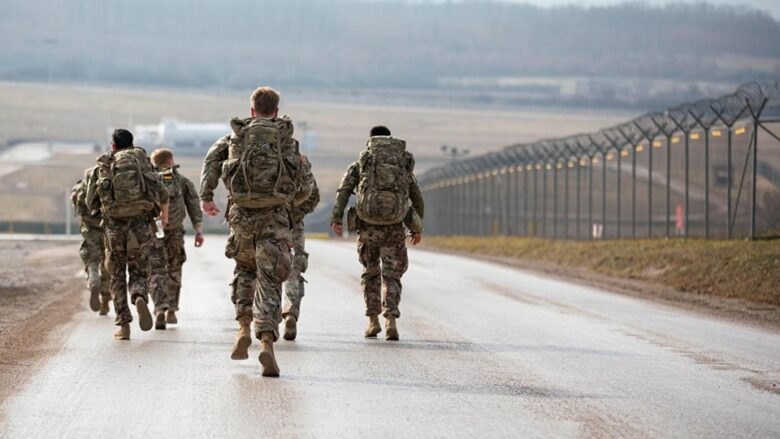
(121, 139)
(264, 102)
(380, 130)
(162, 158)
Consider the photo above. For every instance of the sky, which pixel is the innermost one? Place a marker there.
(771, 6)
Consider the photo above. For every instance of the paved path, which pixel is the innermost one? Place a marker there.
(485, 351)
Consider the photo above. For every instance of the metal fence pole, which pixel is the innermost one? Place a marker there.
(590, 198)
(555, 201)
(566, 200)
(579, 225)
(604, 195)
(668, 184)
(619, 192)
(729, 178)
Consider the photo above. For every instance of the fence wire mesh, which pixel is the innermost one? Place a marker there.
(704, 169)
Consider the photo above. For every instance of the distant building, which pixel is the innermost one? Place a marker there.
(182, 137)
(196, 138)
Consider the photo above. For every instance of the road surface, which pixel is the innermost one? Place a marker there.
(485, 351)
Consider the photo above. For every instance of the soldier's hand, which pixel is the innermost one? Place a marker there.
(209, 208)
(416, 238)
(338, 229)
(198, 239)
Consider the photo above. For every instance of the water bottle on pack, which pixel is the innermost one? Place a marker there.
(160, 232)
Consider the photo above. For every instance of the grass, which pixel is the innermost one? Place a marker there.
(729, 269)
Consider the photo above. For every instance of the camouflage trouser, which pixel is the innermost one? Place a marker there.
(93, 254)
(385, 245)
(174, 247)
(158, 274)
(129, 241)
(294, 286)
(258, 242)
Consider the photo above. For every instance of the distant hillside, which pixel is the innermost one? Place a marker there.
(236, 43)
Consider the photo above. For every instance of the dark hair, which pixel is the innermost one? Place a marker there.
(122, 138)
(380, 130)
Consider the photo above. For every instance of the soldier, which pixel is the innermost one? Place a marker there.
(294, 286)
(265, 176)
(93, 247)
(183, 201)
(384, 178)
(129, 195)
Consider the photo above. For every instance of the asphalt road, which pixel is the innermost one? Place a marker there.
(485, 351)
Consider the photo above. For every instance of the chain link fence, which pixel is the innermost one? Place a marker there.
(706, 169)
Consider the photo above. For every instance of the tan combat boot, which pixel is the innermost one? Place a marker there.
(144, 316)
(93, 280)
(123, 333)
(290, 327)
(373, 327)
(243, 341)
(159, 320)
(170, 317)
(267, 358)
(104, 306)
(391, 330)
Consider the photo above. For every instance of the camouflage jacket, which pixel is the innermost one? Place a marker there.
(211, 172)
(350, 181)
(78, 197)
(183, 199)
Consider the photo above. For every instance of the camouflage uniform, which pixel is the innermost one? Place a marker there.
(381, 248)
(93, 243)
(169, 252)
(294, 286)
(128, 244)
(258, 243)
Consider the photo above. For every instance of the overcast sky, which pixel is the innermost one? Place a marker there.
(771, 6)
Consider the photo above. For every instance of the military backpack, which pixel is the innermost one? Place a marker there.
(263, 165)
(385, 174)
(126, 183)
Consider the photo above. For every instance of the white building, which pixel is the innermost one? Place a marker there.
(182, 137)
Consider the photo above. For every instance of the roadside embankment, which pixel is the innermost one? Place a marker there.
(734, 277)
(39, 292)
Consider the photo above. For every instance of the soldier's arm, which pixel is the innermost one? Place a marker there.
(347, 187)
(306, 182)
(91, 199)
(191, 203)
(416, 197)
(212, 168)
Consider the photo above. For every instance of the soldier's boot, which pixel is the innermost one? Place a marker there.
(144, 316)
(159, 320)
(391, 330)
(373, 327)
(170, 317)
(93, 281)
(267, 358)
(104, 306)
(290, 327)
(123, 333)
(243, 341)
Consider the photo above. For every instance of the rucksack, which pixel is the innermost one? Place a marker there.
(385, 174)
(126, 183)
(263, 165)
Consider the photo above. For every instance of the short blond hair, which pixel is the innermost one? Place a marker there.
(161, 156)
(265, 101)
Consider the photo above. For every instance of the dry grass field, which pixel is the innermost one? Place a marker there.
(85, 113)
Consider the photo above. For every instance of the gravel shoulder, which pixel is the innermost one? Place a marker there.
(40, 288)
